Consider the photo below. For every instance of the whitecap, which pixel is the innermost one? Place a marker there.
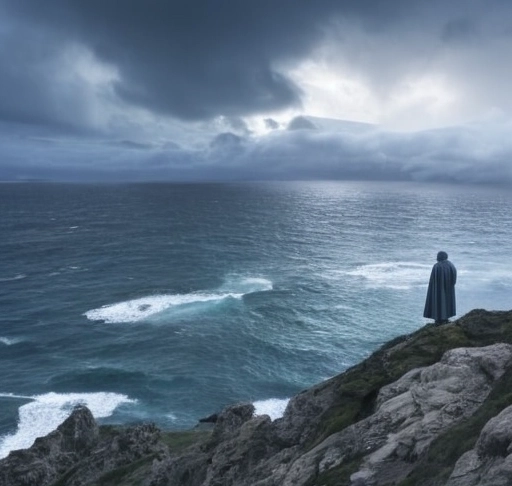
(10, 279)
(273, 407)
(46, 412)
(247, 285)
(393, 275)
(9, 341)
(142, 308)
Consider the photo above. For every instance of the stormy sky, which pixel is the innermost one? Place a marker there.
(221, 90)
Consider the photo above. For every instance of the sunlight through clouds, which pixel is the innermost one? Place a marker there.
(369, 90)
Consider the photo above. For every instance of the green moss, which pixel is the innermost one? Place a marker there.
(178, 441)
(338, 419)
(64, 479)
(130, 475)
(358, 387)
(447, 448)
(425, 348)
(338, 476)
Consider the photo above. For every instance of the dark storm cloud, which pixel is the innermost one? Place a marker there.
(80, 70)
(459, 31)
(193, 59)
(29, 93)
(198, 59)
(271, 124)
(300, 123)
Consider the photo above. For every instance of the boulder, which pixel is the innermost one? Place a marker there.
(490, 462)
(410, 414)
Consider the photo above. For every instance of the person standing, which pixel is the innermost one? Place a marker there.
(440, 302)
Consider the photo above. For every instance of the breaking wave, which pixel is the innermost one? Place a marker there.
(273, 407)
(144, 307)
(393, 275)
(44, 413)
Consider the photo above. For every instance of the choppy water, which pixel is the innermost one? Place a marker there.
(166, 302)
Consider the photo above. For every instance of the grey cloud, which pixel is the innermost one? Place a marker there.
(28, 93)
(237, 124)
(459, 31)
(301, 123)
(464, 44)
(226, 139)
(271, 124)
(201, 60)
(470, 154)
(130, 144)
(194, 59)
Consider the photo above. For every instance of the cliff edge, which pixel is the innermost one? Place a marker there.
(432, 408)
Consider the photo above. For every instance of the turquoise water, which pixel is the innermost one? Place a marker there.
(166, 302)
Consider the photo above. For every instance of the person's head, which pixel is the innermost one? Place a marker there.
(442, 255)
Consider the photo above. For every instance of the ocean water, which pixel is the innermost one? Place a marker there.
(167, 302)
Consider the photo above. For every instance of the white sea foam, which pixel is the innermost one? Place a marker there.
(46, 412)
(255, 284)
(273, 407)
(10, 279)
(144, 307)
(393, 275)
(246, 285)
(9, 341)
(140, 309)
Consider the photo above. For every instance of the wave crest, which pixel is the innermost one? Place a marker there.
(46, 412)
(393, 275)
(9, 341)
(273, 407)
(139, 309)
(11, 279)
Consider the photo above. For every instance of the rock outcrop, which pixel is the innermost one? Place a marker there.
(490, 462)
(433, 408)
(53, 455)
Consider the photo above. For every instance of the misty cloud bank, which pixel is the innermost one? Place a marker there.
(472, 154)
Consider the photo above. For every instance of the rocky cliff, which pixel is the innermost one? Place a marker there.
(428, 409)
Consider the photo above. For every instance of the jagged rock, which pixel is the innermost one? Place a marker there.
(237, 444)
(490, 462)
(210, 419)
(52, 455)
(236, 458)
(120, 448)
(410, 414)
(230, 420)
(77, 450)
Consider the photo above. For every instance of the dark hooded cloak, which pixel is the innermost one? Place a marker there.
(440, 302)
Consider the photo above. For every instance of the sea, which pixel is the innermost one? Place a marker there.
(166, 302)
